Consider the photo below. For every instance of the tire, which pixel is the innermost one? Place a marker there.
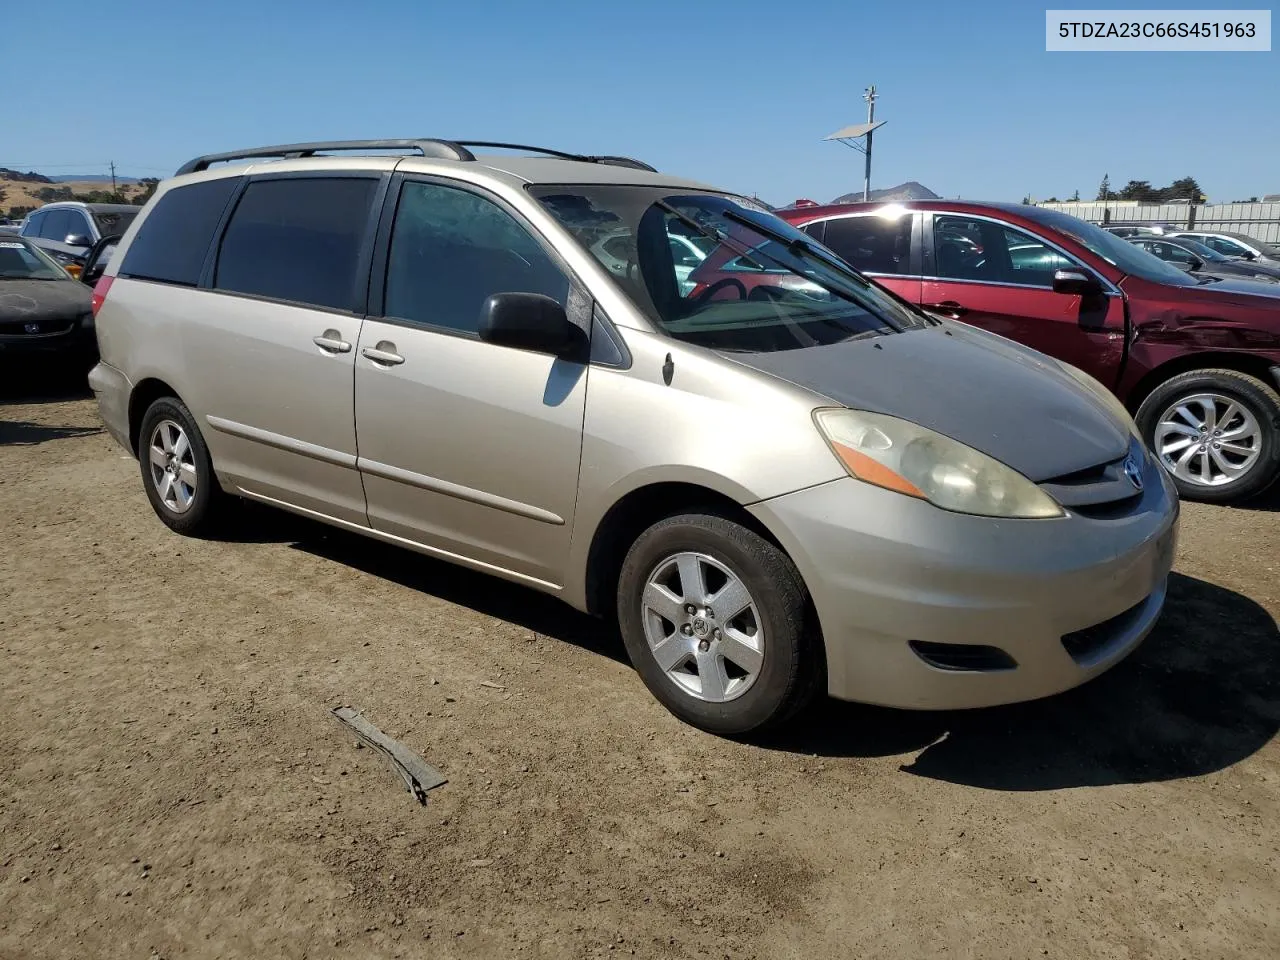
(193, 515)
(740, 694)
(1256, 427)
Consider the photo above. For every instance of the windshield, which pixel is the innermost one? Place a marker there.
(1118, 252)
(720, 272)
(19, 261)
(114, 222)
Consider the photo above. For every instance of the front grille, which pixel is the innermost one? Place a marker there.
(1086, 645)
(1101, 491)
(971, 658)
(18, 328)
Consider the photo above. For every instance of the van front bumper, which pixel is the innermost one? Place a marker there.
(912, 598)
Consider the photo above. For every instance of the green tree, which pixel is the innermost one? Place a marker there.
(1104, 188)
(1184, 189)
(1075, 197)
(146, 187)
(1140, 190)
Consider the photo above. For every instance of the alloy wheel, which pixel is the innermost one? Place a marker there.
(703, 627)
(173, 468)
(1208, 439)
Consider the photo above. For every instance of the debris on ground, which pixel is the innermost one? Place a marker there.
(418, 775)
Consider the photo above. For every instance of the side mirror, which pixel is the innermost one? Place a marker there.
(78, 240)
(1248, 255)
(1076, 283)
(530, 321)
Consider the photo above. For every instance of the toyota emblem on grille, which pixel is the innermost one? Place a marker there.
(1133, 470)
(31, 327)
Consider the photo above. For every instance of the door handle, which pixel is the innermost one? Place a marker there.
(331, 342)
(383, 354)
(948, 307)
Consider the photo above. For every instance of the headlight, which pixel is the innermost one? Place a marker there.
(910, 459)
(1105, 396)
(1265, 278)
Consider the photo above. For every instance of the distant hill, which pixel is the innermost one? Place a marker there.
(903, 191)
(92, 178)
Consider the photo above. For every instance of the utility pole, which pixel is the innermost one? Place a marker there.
(870, 97)
(858, 137)
(113, 176)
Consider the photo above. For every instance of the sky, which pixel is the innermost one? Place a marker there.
(736, 94)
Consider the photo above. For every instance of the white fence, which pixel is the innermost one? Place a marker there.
(1258, 220)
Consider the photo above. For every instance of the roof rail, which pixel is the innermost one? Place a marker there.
(435, 149)
(560, 154)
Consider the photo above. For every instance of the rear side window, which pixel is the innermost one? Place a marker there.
(872, 244)
(171, 244)
(297, 240)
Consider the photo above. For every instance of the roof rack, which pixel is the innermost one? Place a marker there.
(431, 148)
(436, 149)
(560, 154)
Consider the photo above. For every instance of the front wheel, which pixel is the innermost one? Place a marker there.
(715, 621)
(1217, 433)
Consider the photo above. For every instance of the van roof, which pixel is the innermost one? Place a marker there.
(545, 166)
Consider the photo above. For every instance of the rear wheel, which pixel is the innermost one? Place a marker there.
(177, 472)
(1217, 433)
(715, 621)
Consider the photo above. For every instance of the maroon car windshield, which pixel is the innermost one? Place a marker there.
(720, 272)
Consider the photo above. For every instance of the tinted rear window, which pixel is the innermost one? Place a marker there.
(172, 242)
(298, 240)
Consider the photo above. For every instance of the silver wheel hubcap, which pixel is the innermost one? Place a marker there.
(173, 466)
(703, 627)
(1208, 440)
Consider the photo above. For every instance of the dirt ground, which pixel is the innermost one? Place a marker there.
(173, 785)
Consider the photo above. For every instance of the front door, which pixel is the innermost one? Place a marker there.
(468, 448)
(1000, 277)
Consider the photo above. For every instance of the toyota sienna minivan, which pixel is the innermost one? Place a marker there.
(775, 489)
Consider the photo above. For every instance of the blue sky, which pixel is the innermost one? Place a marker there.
(736, 94)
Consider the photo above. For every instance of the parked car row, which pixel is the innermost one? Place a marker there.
(779, 476)
(1205, 262)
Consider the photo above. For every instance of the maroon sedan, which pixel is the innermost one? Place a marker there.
(1197, 360)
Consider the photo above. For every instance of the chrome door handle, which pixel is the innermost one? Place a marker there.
(331, 342)
(384, 354)
(948, 307)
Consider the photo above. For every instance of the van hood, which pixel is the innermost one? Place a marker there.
(1001, 398)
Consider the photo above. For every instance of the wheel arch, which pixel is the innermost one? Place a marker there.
(635, 512)
(146, 392)
(1246, 363)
